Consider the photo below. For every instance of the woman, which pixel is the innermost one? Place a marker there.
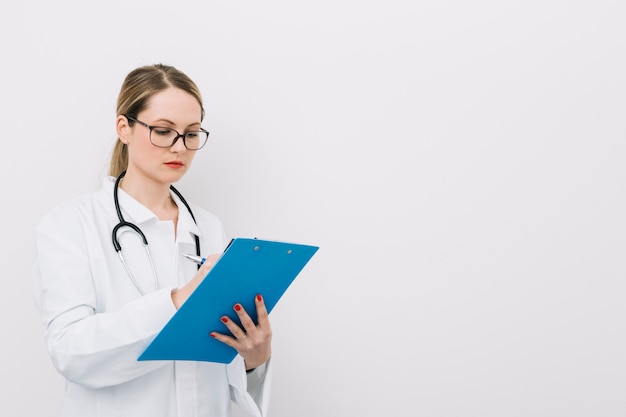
(102, 302)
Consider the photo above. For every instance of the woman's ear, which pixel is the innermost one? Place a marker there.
(122, 128)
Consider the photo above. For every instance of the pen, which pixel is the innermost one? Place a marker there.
(197, 259)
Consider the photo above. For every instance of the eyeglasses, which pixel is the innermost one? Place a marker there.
(165, 137)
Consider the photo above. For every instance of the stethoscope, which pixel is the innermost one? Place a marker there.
(136, 229)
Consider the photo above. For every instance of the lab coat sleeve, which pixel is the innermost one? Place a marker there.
(250, 391)
(88, 347)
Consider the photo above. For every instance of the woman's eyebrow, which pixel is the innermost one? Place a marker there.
(167, 121)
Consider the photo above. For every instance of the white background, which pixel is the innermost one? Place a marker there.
(460, 164)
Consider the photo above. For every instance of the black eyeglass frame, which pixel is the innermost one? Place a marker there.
(178, 135)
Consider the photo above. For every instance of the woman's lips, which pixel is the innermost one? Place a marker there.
(175, 164)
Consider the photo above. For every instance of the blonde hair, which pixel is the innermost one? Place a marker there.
(138, 87)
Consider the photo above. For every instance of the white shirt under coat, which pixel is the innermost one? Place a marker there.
(96, 322)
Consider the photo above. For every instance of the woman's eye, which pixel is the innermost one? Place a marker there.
(192, 135)
(163, 132)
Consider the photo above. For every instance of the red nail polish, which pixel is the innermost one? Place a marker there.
(237, 307)
(212, 334)
(258, 297)
(225, 319)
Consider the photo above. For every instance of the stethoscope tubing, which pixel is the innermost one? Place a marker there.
(123, 223)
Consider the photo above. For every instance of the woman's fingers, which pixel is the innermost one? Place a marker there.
(180, 295)
(252, 341)
(261, 311)
(207, 265)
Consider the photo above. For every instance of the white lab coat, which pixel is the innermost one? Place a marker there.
(96, 322)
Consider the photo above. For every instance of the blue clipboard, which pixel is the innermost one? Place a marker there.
(246, 268)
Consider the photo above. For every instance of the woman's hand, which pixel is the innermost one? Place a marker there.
(252, 341)
(180, 295)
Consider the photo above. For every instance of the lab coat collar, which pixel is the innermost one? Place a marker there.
(136, 212)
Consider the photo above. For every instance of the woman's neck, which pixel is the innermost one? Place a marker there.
(156, 197)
